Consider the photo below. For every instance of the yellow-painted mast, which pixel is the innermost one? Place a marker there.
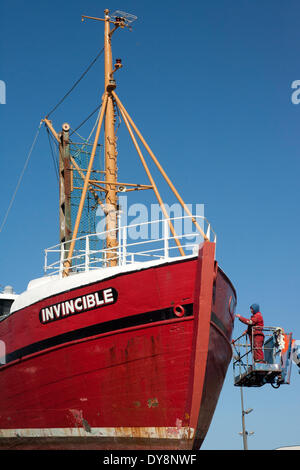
(107, 115)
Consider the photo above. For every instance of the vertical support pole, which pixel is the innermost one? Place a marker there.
(124, 240)
(166, 238)
(87, 253)
(244, 432)
(65, 229)
(119, 240)
(62, 259)
(45, 261)
(110, 150)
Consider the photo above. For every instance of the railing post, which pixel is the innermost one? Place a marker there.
(119, 240)
(87, 253)
(45, 261)
(62, 256)
(166, 238)
(124, 240)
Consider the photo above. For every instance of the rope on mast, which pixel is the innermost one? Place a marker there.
(20, 178)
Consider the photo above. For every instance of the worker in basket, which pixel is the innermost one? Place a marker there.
(255, 332)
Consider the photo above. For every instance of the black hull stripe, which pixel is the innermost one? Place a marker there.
(96, 329)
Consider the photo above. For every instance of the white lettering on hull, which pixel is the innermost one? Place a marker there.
(81, 304)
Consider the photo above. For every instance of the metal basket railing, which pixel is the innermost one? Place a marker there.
(244, 349)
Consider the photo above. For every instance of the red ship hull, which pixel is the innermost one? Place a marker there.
(142, 370)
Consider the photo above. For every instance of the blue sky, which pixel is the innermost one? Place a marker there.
(209, 85)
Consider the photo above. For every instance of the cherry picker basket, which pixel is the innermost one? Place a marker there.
(276, 366)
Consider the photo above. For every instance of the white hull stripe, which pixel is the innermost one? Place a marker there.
(48, 286)
(134, 432)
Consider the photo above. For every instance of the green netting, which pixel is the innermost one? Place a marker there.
(81, 153)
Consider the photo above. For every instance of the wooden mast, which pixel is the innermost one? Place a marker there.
(65, 177)
(65, 229)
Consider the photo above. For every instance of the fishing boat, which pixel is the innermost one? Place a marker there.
(123, 343)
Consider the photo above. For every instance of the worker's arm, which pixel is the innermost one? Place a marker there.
(244, 320)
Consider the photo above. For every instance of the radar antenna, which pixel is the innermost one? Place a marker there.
(123, 18)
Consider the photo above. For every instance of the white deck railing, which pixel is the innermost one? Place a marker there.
(159, 246)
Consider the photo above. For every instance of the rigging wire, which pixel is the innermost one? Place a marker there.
(86, 119)
(37, 133)
(86, 141)
(76, 83)
(95, 125)
(20, 178)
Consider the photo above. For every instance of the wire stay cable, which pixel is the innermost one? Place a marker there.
(76, 83)
(20, 178)
(85, 120)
